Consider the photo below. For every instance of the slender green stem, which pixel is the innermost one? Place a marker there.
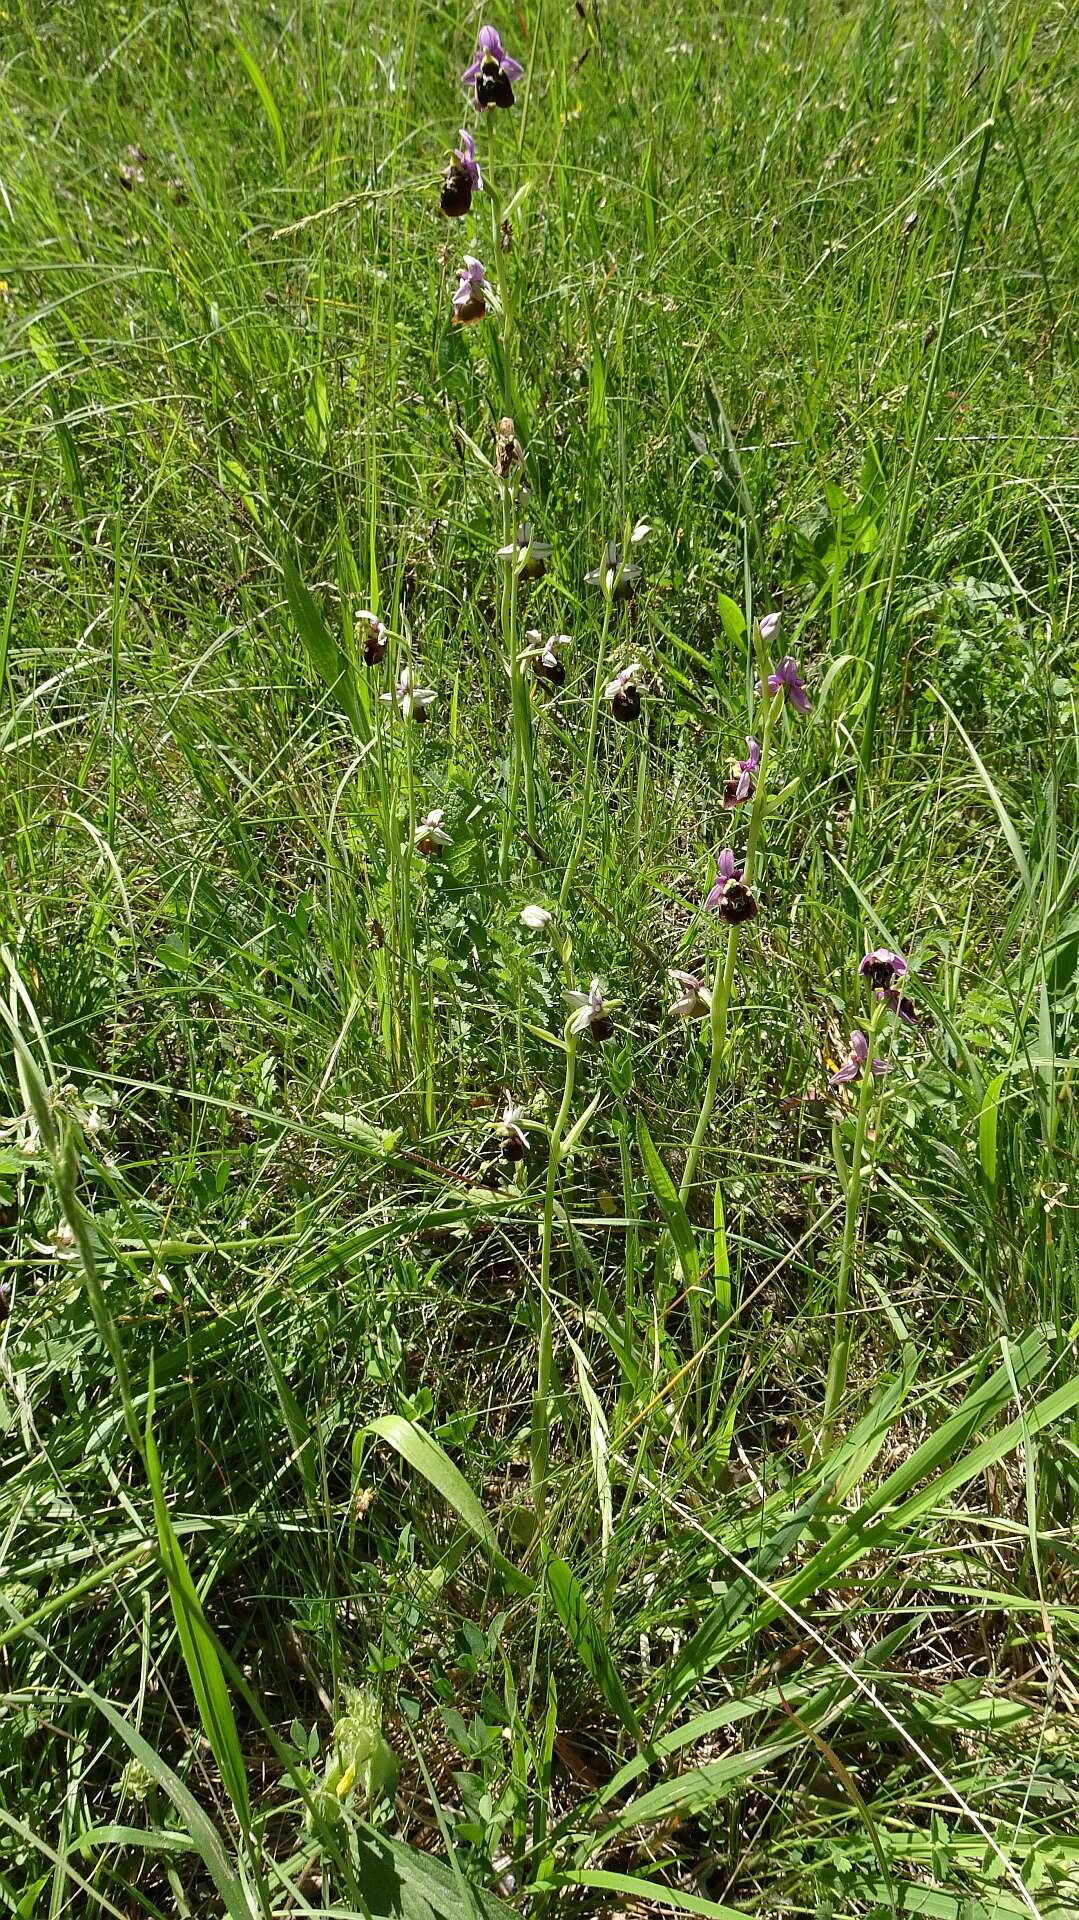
(723, 984)
(541, 1408)
(837, 1365)
(590, 759)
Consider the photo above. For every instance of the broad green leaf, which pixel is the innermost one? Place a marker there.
(588, 1640)
(650, 1893)
(427, 1457)
(674, 1213)
(987, 1130)
(322, 649)
(258, 81)
(295, 1420)
(197, 1642)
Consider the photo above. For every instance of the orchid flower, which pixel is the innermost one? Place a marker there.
(493, 71)
(411, 702)
(730, 897)
(531, 555)
(543, 654)
(624, 694)
(375, 637)
(882, 966)
(461, 179)
(431, 836)
(590, 1013)
(695, 1002)
(470, 298)
(853, 1068)
(786, 678)
(741, 785)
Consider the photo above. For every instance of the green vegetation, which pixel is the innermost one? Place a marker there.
(659, 1497)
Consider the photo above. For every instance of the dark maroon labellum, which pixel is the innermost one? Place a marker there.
(456, 196)
(419, 715)
(603, 1028)
(556, 675)
(626, 705)
(374, 648)
(512, 1148)
(492, 86)
(737, 903)
(534, 567)
(879, 973)
(474, 309)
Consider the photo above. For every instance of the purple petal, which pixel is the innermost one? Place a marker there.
(714, 898)
(512, 68)
(725, 865)
(859, 1047)
(881, 1066)
(849, 1071)
(753, 758)
(490, 41)
(472, 73)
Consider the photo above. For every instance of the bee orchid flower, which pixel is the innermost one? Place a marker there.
(431, 836)
(854, 1067)
(411, 702)
(741, 785)
(493, 71)
(374, 639)
(529, 554)
(730, 897)
(510, 1133)
(786, 679)
(472, 292)
(882, 966)
(543, 655)
(618, 577)
(590, 1013)
(461, 179)
(624, 695)
(695, 1000)
(535, 918)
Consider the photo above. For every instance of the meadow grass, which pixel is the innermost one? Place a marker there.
(661, 1498)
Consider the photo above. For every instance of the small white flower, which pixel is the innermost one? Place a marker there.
(768, 626)
(411, 702)
(373, 636)
(536, 918)
(530, 554)
(430, 835)
(510, 1131)
(627, 678)
(590, 1012)
(543, 655)
(695, 1002)
(617, 577)
(640, 532)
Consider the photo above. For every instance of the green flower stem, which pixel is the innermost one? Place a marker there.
(408, 944)
(590, 758)
(837, 1364)
(521, 745)
(723, 984)
(541, 1406)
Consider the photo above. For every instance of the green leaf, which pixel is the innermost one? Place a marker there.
(258, 81)
(674, 1214)
(197, 1642)
(987, 1130)
(641, 1890)
(721, 1263)
(417, 1447)
(295, 1420)
(323, 651)
(588, 1639)
(1007, 827)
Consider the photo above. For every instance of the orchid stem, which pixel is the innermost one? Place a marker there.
(590, 760)
(541, 1407)
(840, 1354)
(723, 984)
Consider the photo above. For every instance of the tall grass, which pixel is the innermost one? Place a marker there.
(680, 1517)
